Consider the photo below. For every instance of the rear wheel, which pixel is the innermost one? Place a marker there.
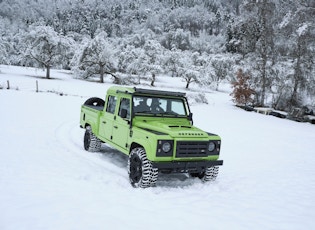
(91, 142)
(141, 171)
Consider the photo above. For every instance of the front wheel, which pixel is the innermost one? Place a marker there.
(141, 171)
(210, 174)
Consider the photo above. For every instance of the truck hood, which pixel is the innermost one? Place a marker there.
(174, 129)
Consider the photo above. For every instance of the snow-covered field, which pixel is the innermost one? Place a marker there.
(48, 181)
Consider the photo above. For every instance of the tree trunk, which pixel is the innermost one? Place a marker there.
(294, 100)
(297, 79)
(48, 72)
(101, 73)
(117, 80)
(264, 50)
(153, 79)
(217, 83)
(187, 84)
(217, 86)
(263, 90)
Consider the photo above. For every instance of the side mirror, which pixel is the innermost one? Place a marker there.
(190, 118)
(123, 113)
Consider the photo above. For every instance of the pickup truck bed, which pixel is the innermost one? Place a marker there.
(99, 108)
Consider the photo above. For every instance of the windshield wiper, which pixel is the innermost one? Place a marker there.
(162, 114)
(170, 113)
(146, 112)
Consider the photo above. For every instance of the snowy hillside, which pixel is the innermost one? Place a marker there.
(48, 181)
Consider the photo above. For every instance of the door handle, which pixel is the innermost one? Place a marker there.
(116, 127)
(104, 122)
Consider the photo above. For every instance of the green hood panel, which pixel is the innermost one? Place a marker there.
(172, 128)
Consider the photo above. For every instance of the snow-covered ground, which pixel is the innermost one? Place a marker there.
(48, 181)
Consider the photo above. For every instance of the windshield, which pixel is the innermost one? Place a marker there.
(159, 106)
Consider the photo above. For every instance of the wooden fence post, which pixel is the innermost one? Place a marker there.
(8, 84)
(36, 86)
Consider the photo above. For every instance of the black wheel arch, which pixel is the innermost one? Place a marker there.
(135, 145)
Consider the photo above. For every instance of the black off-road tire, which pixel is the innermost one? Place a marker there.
(141, 171)
(95, 101)
(91, 142)
(210, 174)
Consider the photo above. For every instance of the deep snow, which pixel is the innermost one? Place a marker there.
(48, 181)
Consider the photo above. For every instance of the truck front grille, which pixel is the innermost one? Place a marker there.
(192, 149)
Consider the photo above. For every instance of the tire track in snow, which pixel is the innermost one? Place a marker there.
(109, 163)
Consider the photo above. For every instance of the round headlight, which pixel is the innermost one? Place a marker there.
(166, 147)
(211, 146)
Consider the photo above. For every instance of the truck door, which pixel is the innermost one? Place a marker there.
(107, 119)
(121, 126)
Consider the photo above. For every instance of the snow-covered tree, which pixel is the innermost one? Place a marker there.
(178, 39)
(281, 85)
(4, 46)
(172, 61)
(297, 42)
(95, 57)
(126, 55)
(136, 68)
(152, 60)
(260, 15)
(9, 40)
(222, 67)
(129, 62)
(190, 75)
(190, 68)
(44, 46)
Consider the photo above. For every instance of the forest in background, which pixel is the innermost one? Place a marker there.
(271, 43)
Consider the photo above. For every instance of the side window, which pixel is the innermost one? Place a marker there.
(178, 107)
(111, 104)
(124, 104)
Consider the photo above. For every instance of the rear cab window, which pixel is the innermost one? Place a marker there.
(111, 104)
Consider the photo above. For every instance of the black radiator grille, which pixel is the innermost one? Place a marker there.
(192, 149)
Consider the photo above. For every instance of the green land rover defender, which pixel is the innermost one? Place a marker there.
(155, 129)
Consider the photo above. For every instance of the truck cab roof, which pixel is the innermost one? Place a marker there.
(141, 91)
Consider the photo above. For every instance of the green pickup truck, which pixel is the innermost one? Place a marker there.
(155, 129)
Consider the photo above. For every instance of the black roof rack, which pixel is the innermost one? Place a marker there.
(159, 92)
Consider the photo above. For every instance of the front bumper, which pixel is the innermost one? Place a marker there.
(186, 166)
